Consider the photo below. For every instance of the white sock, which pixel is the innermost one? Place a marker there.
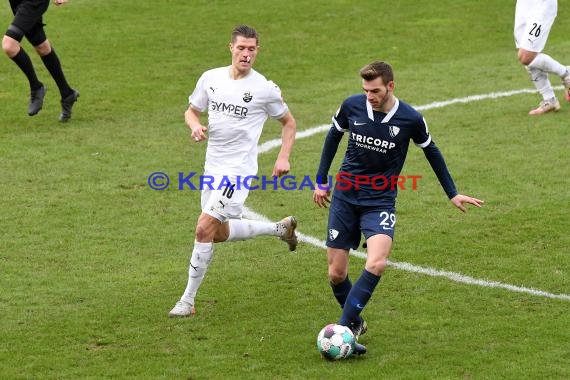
(242, 229)
(540, 80)
(201, 258)
(546, 63)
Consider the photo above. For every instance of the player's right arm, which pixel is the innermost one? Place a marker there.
(323, 190)
(192, 118)
(198, 103)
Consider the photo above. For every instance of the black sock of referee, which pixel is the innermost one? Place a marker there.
(22, 59)
(52, 63)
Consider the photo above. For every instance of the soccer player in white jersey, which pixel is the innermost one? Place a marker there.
(238, 100)
(533, 21)
(379, 128)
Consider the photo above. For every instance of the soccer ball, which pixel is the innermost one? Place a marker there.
(335, 342)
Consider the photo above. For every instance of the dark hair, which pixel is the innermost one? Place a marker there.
(377, 69)
(245, 31)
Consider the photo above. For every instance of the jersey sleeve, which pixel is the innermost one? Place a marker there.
(421, 136)
(330, 148)
(437, 163)
(339, 127)
(199, 97)
(275, 106)
(340, 118)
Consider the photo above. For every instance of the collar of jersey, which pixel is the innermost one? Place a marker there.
(388, 116)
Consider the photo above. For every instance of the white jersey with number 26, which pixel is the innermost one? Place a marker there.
(237, 110)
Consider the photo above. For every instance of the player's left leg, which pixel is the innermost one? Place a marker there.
(538, 66)
(341, 286)
(379, 247)
(542, 84)
(547, 64)
(378, 251)
(228, 200)
(377, 225)
(243, 229)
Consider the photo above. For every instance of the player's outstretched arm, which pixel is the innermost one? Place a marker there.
(288, 131)
(60, 2)
(460, 200)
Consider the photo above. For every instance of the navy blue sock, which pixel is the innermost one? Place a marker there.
(358, 297)
(341, 290)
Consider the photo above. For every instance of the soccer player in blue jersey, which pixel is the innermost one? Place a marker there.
(379, 128)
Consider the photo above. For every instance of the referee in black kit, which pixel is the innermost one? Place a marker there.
(28, 23)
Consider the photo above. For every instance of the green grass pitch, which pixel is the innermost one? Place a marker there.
(92, 259)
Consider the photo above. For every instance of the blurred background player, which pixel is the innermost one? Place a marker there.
(28, 22)
(379, 128)
(533, 21)
(238, 100)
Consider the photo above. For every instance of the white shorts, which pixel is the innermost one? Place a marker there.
(225, 198)
(533, 20)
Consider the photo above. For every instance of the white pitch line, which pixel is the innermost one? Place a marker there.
(268, 145)
(476, 98)
(457, 277)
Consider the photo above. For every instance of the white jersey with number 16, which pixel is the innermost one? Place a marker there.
(237, 110)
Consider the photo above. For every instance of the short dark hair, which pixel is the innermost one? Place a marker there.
(377, 69)
(246, 32)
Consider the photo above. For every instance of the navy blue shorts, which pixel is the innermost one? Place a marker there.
(348, 222)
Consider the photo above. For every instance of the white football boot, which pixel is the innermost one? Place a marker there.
(546, 106)
(182, 309)
(289, 224)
